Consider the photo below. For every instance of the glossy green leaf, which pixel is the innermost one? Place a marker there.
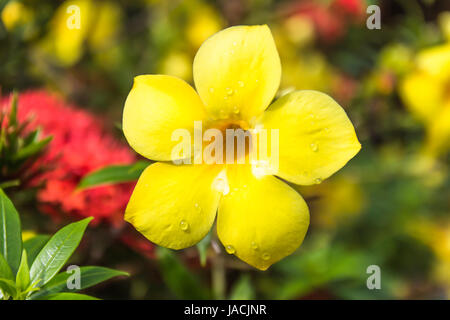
(23, 274)
(5, 270)
(183, 283)
(57, 251)
(34, 245)
(10, 233)
(8, 287)
(68, 296)
(89, 276)
(113, 174)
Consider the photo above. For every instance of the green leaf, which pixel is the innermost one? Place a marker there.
(5, 273)
(32, 149)
(13, 112)
(8, 287)
(34, 245)
(182, 283)
(5, 270)
(113, 174)
(89, 276)
(57, 251)
(243, 289)
(68, 296)
(203, 247)
(10, 233)
(9, 184)
(23, 274)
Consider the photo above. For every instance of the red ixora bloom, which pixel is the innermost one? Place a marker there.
(330, 19)
(79, 146)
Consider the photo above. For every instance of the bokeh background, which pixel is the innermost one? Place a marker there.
(390, 206)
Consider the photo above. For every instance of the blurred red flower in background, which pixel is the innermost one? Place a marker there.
(330, 19)
(79, 146)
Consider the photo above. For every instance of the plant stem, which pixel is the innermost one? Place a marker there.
(218, 276)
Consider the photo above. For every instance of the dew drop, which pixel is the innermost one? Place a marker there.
(236, 110)
(211, 90)
(254, 246)
(230, 249)
(184, 225)
(318, 180)
(266, 256)
(220, 183)
(314, 147)
(197, 207)
(229, 91)
(241, 84)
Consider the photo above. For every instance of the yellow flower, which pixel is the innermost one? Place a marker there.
(77, 23)
(203, 22)
(260, 218)
(15, 14)
(426, 93)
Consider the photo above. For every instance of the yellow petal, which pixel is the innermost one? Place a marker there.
(422, 94)
(316, 138)
(435, 61)
(438, 132)
(262, 220)
(174, 206)
(237, 71)
(156, 106)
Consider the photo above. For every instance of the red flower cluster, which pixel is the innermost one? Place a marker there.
(330, 20)
(79, 146)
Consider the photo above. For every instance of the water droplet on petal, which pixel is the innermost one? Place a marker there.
(229, 91)
(314, 147)
(198, 208)
(211, 90)
(220, 183)
(266, 256)
(241, 84)
(230, 249)
(254, 246)
(236, 110)
(184, 225)
(318, 180)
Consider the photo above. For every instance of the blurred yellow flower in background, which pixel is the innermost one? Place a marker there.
(202, 23)
(426, 93)
(15, 14)
(339, 201)
(80, 23)
(437, 236)
(260, 218)
(177, 64)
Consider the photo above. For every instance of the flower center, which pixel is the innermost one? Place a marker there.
(236, 140)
